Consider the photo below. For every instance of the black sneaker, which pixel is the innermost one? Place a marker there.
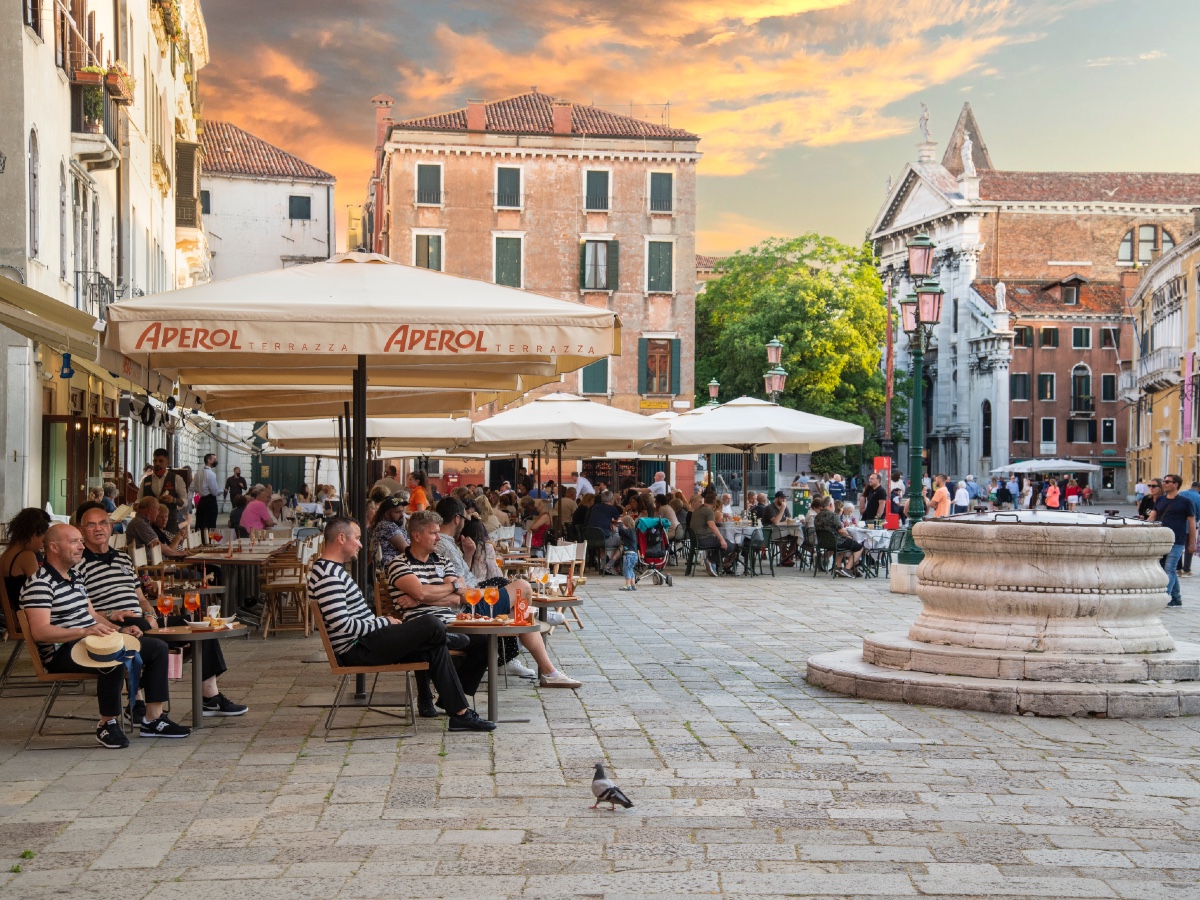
(220, 705)
(470, 721)
(162, 727)
(455, 641)
(137, 714)
(111, 736)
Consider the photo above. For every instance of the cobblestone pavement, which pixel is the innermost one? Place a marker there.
(747, 781)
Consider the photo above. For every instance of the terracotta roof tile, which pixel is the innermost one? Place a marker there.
(228, 150)
(1096, 187)
(531, 113)
(1031, 299)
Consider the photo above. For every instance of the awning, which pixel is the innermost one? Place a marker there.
(69, 330)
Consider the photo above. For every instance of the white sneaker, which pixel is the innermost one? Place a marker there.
(554, 617)
(559, 680)
(518, 669)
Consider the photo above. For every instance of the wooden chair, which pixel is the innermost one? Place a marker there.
(344, 673)
(557, 556)
(56, 680)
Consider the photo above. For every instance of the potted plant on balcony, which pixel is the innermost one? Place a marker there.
(120, 83)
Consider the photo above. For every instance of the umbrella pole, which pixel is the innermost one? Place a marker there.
(359, 487)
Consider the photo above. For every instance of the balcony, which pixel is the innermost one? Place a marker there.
(94, 119)
(1159, 369)
(1082, 406)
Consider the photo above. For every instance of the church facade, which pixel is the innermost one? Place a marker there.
(1035, 330)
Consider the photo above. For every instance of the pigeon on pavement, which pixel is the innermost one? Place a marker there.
(605, 791)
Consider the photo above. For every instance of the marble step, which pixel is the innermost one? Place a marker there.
(846, 672)
(895, 650)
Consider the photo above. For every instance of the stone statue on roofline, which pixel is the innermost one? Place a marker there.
(924, 123)
(1001, 296)
(967, 160)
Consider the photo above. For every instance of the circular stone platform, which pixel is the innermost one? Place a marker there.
(1031, 612)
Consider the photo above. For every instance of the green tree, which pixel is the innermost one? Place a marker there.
(824, 301)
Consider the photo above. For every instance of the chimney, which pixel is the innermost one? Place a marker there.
(561, 110)
(382, 103)
(476, 116)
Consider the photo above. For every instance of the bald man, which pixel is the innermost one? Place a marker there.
(60, 616)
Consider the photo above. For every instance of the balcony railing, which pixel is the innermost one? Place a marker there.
(1159, 369)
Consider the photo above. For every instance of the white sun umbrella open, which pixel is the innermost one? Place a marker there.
(566, 420)
(748, 425)
(1047, 466)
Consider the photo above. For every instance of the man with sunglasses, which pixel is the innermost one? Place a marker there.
(1176, 513)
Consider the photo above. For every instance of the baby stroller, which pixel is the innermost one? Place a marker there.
(652, 551)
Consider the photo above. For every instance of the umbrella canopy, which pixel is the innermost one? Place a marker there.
(750, 425)
(585, 427)
(307, 326)
(1047, 466)
(388, 435)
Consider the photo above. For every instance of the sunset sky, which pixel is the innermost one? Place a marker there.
(804, 106)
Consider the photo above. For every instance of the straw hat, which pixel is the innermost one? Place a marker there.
(102, 651)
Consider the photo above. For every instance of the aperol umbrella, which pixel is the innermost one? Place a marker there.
(562, 420)
(360, 318)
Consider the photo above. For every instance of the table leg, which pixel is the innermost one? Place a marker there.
(197, 686)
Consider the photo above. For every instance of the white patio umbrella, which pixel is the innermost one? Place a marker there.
(563, 420)
(1047, 466)
(748, 425)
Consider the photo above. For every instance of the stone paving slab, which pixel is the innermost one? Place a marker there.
(747, 781)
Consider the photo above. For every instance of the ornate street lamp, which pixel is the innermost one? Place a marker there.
(920, 312)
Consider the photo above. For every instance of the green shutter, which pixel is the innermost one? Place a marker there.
(582, 265)
(595, 378)
(508, 261)
(659, 276)
(660, 191)
(676, 346)
(643, 344)
(612, 266)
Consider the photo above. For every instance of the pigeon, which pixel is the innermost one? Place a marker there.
(605, 791)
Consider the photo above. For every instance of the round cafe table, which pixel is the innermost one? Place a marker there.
(183, 634)
(493, 633)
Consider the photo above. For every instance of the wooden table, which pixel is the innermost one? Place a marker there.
(493, 633)
(182, 634)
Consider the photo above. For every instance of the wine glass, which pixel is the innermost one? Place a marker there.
(490, 596)
(471, 596)
(191, 602)
(165, 604)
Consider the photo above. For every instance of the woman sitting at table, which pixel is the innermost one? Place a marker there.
(388, 537)
(539, 528)
(847, 547)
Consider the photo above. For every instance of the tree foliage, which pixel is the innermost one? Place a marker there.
(824, 301)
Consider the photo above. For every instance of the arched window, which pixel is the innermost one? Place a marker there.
(987, 428)
(34, 196)
(1139, 242)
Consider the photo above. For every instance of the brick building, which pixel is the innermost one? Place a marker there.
(565, 200)
(1036, 373)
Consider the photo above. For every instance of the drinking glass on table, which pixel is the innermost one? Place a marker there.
(165, 605)
(191, 602)
(471, 596)
(490, 596)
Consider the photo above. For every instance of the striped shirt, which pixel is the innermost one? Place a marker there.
(432, 571)
(110, 580)
(66, 598)
(343, 607)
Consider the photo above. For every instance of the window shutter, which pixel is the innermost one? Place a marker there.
(642, 362)
(595, 378)
(582, 264)
(612, 266)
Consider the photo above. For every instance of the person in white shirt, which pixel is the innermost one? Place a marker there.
(582, 485)
(659, 486)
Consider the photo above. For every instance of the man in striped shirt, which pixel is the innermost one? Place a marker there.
(113, 588)
(360, 638)
(60, 615)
